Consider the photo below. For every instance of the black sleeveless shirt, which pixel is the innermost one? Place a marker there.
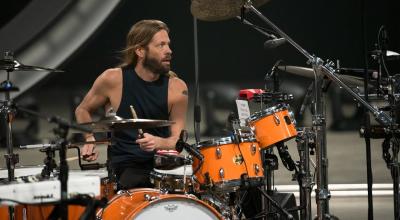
(150, 100)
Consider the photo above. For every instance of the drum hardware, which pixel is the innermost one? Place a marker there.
(319, 118)
(61, 145)
(8, 111)
(305, 146)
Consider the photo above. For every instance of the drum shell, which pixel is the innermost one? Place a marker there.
(235, 160)
(273, 125)
(131, 203)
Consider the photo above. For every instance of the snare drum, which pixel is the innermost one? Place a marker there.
(226, 163)
(273, 125)
(151, 204)
(178, 180)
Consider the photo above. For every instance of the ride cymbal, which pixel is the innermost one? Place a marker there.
(118, 123)
(211, 10)
(14, 65)
(309, 73)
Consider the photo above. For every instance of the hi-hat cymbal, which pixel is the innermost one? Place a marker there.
(211, 10)
(14, 65)
(118, 123)
(309, 73)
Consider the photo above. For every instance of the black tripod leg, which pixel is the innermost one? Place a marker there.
(274, 203)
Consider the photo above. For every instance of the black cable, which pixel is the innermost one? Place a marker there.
(366, 113)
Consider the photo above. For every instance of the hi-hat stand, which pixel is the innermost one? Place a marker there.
(319, 119)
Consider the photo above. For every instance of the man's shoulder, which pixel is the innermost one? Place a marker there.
(175, 82)
(111, 76)
(111, 72)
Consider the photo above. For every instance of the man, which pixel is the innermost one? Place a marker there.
(143, 80)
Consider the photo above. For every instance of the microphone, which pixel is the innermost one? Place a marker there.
(181, 144)
(273, 43)
(285, 156)
(306, 98)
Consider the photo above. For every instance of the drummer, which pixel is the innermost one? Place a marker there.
(145, 81)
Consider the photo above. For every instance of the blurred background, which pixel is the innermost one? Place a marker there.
(85, 37)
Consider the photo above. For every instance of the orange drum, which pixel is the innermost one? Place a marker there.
(273, 125)
(148, 203)
(227, 162)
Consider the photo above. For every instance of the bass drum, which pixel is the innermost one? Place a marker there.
(145, 203)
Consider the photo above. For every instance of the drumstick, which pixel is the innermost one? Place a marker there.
(134, 116)
(77, 158)
(73, 158)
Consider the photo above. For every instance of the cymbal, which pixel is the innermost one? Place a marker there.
(118, 123)
(309, 73)
(14, 65)
(211, 10)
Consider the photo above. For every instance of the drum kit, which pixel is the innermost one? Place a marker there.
(214, 178)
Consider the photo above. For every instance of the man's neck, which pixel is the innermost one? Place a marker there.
(146, 74)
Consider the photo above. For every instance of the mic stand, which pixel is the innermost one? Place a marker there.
(49, 162)
(304, 177)
(319, 123)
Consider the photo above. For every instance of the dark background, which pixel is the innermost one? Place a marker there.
(231, 55)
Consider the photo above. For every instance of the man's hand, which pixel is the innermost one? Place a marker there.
(149, 142)
(88, 151)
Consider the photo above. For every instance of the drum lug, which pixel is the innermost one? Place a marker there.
(222, 173)
(120, 192)
(253, 148)
(218, 153)
(148, 197)
(276, 119)
(256, 169)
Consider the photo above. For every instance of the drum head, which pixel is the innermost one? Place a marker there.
(268, 111)
(175, 208)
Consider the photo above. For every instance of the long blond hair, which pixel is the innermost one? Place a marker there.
(140, 35)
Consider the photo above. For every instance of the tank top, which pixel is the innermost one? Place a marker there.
(150, 101)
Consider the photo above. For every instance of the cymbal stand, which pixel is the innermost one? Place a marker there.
(319, 123)
(304, 141)
(8, 112)
(392, 140)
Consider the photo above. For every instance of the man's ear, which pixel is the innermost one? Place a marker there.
(140, 52)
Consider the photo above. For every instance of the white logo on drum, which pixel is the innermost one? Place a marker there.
(171, 207)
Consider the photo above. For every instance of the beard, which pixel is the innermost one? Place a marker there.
(155, 66)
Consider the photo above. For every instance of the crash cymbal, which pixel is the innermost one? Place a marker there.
(14, 65)
(118, 123)
(309, 73)
(211, 10)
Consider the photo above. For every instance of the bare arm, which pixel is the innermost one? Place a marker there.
(179, 103)
(97, 97)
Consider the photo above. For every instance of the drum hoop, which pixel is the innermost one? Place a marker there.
(167, 175)
(228, 185)
(167, 197)
(269, 111)
(216, 142)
